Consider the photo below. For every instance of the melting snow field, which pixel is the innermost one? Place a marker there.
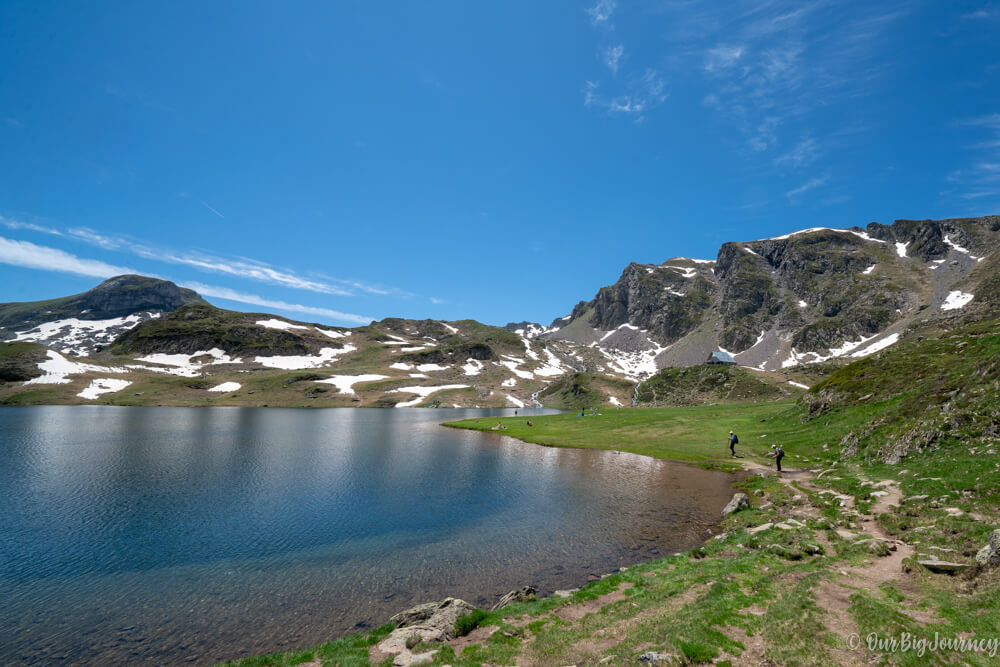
(279, 324)
(798, 384)
(424, 392)
(183, 364)
(516, 402)
(471, 367)
(345, 383)
(103, 386)
(964, 251)
(891, 339)
(57, 367)
(901, 249)
(330, 333)
(297, 363)
(226, 387)
(73, 335)
(426, 368)
(956, 300)
(869, 270)
(686, 271)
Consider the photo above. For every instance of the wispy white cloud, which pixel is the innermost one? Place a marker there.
(30, 256)
(811, 184)
(803, 153)
(602, 11)
(979, 181)
(612, 56)
(768, 66)
(984, 14)
(642, 93)
(244, 268)
(722, 57)
(254, 300)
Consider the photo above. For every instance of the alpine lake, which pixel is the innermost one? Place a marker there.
(199, 535)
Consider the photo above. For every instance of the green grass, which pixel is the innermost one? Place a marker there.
(694, 434)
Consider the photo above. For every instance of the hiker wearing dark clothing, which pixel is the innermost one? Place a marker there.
(778, 453)
(733, 441)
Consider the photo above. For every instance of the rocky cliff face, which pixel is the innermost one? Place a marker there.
(806, 296)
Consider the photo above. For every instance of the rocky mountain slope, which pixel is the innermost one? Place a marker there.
(82, 323)
(777, 303)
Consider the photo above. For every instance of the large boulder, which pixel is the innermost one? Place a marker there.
(990, 554)
(739, 501)
(434, 621)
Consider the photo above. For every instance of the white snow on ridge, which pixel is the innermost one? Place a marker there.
(449, 327)
(301, 362)
(512, 366)
(901, 249)
(965, 251)
(330, 333)
(471, 367)
(614, 401)
(686, 271)
(103, 386)
(424, 392)
(891, 339)
(857, 348)
(424, 368)
(345, 383)
(518, 403)
(226, 387)
(57, 367)
(750, 250)
(869, 270)
(699, 261)
(73, 335)
(862, 235)
(182, 363)
(279, 324)
(798, 384)
(400, 366)
(673, 291)
(802, 304)
(956, 300)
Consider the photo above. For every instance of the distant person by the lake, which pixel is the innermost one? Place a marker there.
(778, 453)
(498, 427)
(733, 441)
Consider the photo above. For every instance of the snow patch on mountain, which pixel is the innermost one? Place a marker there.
(226, 387)
(964, 251)
(956, 300)
(80, 337)
(279, 324)
(301, 362)
(471, 367)
(424, 392)
(891, 339)
(516, 402)
(184, 364)
(901, 249)
(330, 333)
(869, 270)
(345, 383)
(103, 386)
(57, 367)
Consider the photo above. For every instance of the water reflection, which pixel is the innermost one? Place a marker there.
(167, 535)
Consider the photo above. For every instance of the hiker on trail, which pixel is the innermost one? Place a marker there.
(733, 441)
(778, 453)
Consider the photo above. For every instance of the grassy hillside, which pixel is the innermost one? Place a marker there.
(19, 361)
(698, 385)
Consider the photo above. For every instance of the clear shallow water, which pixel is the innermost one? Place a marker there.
(196, 535)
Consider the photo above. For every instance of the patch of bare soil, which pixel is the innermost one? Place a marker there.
(577, 610)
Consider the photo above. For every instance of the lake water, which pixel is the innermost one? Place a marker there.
(197, 535)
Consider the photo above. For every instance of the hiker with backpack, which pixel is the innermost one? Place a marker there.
(733, 441)
(778, 453)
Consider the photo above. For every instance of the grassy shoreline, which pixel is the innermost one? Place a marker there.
(755, 592)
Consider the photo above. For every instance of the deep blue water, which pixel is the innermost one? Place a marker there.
(195, 535)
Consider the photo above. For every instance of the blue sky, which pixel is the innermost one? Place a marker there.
(340, 162)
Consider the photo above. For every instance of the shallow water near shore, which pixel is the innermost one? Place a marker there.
(197, 535)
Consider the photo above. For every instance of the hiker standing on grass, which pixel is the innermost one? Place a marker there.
(733, 441)
(778, 453)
